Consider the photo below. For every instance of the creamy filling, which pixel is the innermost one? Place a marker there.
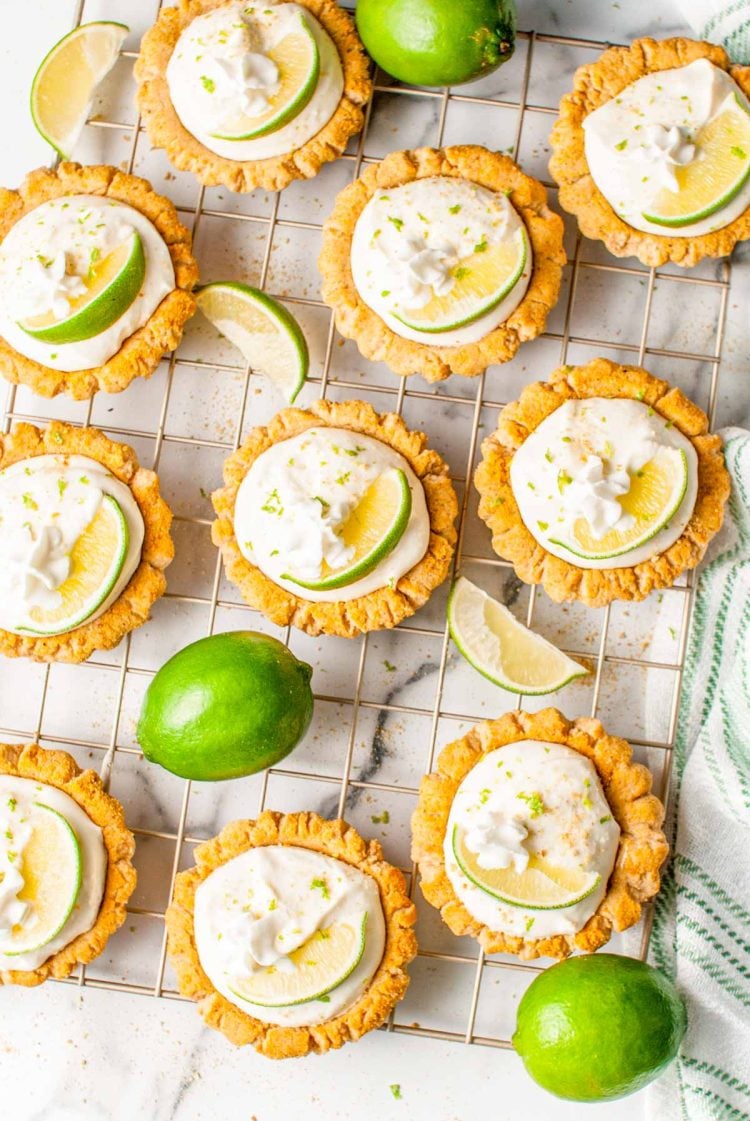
(46, 503)
(258, 908)
(540, 799)
(297, 494)
(409, 239)
(220, 65)
(44, 260)
(580, 460)
(17, 796)
(635, 142)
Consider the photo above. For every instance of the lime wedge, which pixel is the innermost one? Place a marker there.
(320, 965)
(482, 281)
(501, 648)
(298, 61)
(655, 495)
(64, 84)
(270, 338)
(374, 528)
(51, 869)
(541, 887)
(96, 562)
(717, 175)
(111, 286)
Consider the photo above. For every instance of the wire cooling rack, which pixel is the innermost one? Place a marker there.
(386, 702)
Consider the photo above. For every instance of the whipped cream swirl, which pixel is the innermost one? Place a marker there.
(497, 840)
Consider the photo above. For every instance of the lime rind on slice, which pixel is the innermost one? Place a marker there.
(269, 337)
(52, 871)
(541, 887)
(373, 528)
(510, 655)
(319, 966)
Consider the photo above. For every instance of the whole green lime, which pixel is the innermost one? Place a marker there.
(226, 706)
(438, 42)
(596, 1028)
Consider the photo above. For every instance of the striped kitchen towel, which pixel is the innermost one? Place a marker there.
(721, 21)
(701, 934)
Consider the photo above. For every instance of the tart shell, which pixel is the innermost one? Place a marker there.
(627, 785)
(594, 85)
(380, 609)
(57, 768)
(336, 839)
(142, 351)
(561, 579)
(147, 583)
(186, 153)
(375, 339)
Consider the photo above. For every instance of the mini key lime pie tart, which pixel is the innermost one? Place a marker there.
(441, 261)
(252, 95)
(292, 933)
(66, 869)
(538, 836)
(602, 484)
(652, 151)
(336, 519)
(96, 274)
(84, 542)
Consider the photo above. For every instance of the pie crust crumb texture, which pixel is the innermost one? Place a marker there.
(562, 580)
(380, 609)
(643, 847)
(376, 341)
(336, 839)
(147, 583)
(142, 351)
(595, 84)
(186, 153)
(57, 768)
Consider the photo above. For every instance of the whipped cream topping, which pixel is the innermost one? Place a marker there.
(297, 494)
(45, 258)
(532, 798)
(220, 65)
(635, 142)
(259, 907)
(46, 503)
(580, 460)
(17, 797)
(408, 240)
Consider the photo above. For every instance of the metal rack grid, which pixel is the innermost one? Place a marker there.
(394, 396)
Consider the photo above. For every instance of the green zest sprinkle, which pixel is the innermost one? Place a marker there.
(84, 479)
(534, 802)
(548, 456)
(380, 819)
(396, 1091)
(461, 272)
(385, 292)
(566, 439)
(605, 819)
(343, 478)
(353, 451)
(740, 153)
(388, 665)
(481, 246)
(12, 803)
(29, 502)
(542, 526)
(397, 222)
(454, 209)
(621, 146)
(641, 394)
(588, 803)
(272, 505)
(272, 905)
(208, 84)
(322, 886)
(529, 924)
(62, 486)
(423, 219)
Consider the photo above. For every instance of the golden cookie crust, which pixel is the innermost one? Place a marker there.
(383, 608)
(142, 351)
(336, 839)
(627, 785)
(562, 580)
(186, 153)
(376, 341)
(594, 85)
(57, 768)
(146, 584)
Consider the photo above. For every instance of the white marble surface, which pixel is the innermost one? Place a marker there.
(68, 1054)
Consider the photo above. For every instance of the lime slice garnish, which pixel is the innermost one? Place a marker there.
(96, 562)
(541, 887)
(270, 338)
(716, 176)
(374, 528)
(655, 495)
(320, 966)
(111, 286)
(482, 281)
(64, 84)
(501, 648)
(298, 60)
(51, 870)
